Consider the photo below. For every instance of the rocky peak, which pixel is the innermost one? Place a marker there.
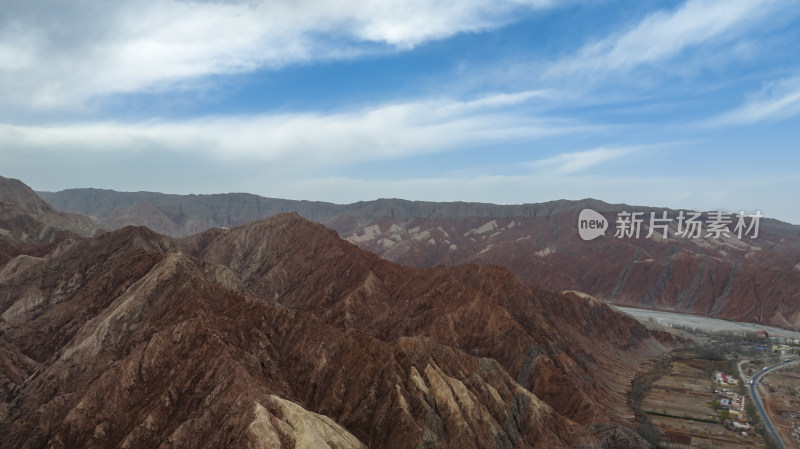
(15, 193)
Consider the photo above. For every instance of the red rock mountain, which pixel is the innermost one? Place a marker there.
(28, 225)
(755, 280)
(14, 192)
(280, 334)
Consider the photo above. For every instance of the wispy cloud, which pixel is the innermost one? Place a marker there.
(379, 132)
(776, 101)
(568, 163)
(663, 35)
(73, 52)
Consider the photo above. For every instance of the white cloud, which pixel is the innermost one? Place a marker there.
(78, 50)
(568, 163)
(778, 100)
(663, 35)
(380, 132)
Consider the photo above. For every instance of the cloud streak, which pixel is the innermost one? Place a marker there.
(663, 35)
(380, 132)
(569, 163)
(778, 100)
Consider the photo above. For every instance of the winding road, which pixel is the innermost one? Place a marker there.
(756, 398)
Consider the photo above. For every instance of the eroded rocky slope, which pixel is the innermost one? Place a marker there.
(279, 334)
(14, 192)
(755, 280)
(28, 225)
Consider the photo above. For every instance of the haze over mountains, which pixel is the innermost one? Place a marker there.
(279, 334)
(755, 280)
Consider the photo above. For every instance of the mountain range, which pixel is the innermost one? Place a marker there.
(744, 279)
(280, 334)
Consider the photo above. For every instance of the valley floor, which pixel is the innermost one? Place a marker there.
(683, 406)
(703, 323)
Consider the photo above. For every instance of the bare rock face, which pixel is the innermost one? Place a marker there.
(287, 421)
(142, 213)
(15, 367)
(19, 234)
(15, 193)
(278, 334)
(30, 226)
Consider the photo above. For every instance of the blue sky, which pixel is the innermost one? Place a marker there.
(689, 104)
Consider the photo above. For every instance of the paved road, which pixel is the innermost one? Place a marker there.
(757, 399)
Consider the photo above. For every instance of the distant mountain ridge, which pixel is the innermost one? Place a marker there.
(191, 212)
(754, 280)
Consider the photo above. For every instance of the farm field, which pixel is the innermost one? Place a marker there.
(679, 405)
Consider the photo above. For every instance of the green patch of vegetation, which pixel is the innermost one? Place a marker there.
(770, 442)
(752, 413)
